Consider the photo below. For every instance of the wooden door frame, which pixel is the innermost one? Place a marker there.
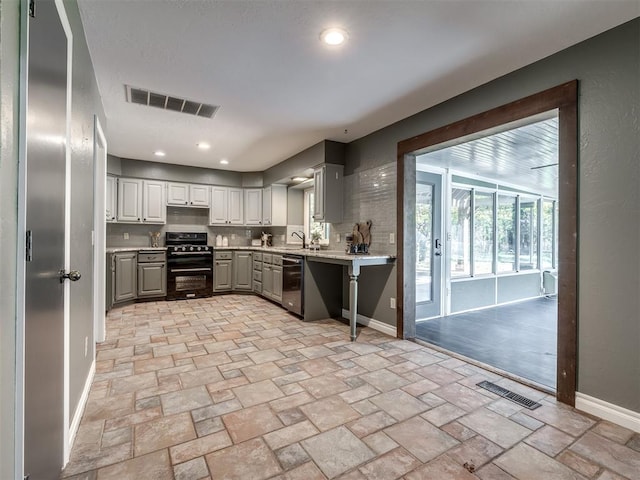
(564, 98)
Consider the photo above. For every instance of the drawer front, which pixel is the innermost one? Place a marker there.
(257, 276)
(224, 255)
(146, 257)
(257, 287)
(257, 256)
(277, 260)
(257, 264)
(267, 257)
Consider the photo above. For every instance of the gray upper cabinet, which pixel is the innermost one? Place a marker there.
(141, 201)
(242, 270)
(111, 207)
(274, 205)
(226, 206)
(253, 206)
(187, 195)
(327, 191)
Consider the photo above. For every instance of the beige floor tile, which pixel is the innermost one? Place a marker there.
(109, 407)
(380, 442)
(390, 466)
(337, 451)
(324, 385)
(613, 456)
(251, 422)
(263, 356)
(292, 456)
(195, 469)
(256, 393)
(152, 364)
(263, 371)
(318, 366)
(154, 466)
(371, 423)
(495, 427)
(186, 451)
(372, 362)
(329, 412)
(249, 460)
(462, 397)
(185, 400)
(307, 471)
(563, 418)
(201, 376)
(384, 380)
(400, 405)
(493, 472)
(421, 439)
(291, 434)
(549, 440)
(613, 432)
(578, 463)
(525, 462)
(442, 414)
(476, 451)
(162, 433)
(442, 468)
(133, 383)
(458, 431)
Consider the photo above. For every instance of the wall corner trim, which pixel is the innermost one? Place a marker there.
(77, 416)
(608, 411)
(372, 323)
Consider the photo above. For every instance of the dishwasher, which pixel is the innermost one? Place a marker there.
(293, 283)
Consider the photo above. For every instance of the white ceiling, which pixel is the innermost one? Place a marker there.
(280, 90)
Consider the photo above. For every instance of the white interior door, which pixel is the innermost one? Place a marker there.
(429, 245)
(44, 346)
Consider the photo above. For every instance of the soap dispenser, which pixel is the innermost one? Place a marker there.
(218, 240)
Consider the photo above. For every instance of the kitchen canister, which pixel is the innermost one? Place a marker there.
(218, 240)
(225, 241)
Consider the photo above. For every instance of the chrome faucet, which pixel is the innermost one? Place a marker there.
(301, 237)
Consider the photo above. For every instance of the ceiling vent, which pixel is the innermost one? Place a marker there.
(167, 102)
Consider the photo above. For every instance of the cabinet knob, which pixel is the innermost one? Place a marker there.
(138, 218)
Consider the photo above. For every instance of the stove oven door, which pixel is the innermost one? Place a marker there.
(189, 275)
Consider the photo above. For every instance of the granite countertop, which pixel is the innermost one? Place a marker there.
(133, 249)
(332, 254)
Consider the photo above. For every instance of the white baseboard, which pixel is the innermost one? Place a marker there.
(77, 416)
(375, 324)
(608, 411)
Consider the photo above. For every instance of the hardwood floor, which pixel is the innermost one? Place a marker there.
(520, 338)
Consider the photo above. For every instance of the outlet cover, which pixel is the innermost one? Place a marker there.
(126, 236)
(392, 303)
(392, 238)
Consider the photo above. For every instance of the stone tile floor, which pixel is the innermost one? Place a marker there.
(233, 387)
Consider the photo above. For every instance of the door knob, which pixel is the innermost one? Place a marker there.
(73, 275)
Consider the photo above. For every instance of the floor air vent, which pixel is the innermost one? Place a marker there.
(514, 397)
(141, 96)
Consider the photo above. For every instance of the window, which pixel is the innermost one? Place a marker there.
(424, 239)
(312, 229)
(460, 232)
(549, 234)
(483, 233)
(528, 234)
(506, 233)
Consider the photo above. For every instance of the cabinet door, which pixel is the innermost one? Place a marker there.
(222, 275)
(266, 206)
(267, 280)
(219, 205)
(111, 199)
(279, 205)
(152, 280)
(253, 206)
(129, 200)
(235, 213)
(177, 193)
(199, 195)
(125, 287)
(318, 193)
(154, 205)
(242, 270)
(277, 283)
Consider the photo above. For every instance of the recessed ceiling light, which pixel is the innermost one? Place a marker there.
(299, 179)
(204, 146)
(224, 161)
(159, 153)
(334, 36)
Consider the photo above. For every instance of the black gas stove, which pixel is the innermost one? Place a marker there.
(189, 265)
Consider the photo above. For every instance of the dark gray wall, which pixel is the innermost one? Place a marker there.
(326, 151)
(607, 67)
(9, 121)
(86, 103)
(175, 173)
(295, 206)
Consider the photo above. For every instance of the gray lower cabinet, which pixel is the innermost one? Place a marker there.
(125, 276)
(223, 271)
(242, 271)
(257, 272)
(272, 276)
(152, 274)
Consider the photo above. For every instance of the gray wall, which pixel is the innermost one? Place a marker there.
(295, 206)
(86, 103)
(9, 109)
(607, 67)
